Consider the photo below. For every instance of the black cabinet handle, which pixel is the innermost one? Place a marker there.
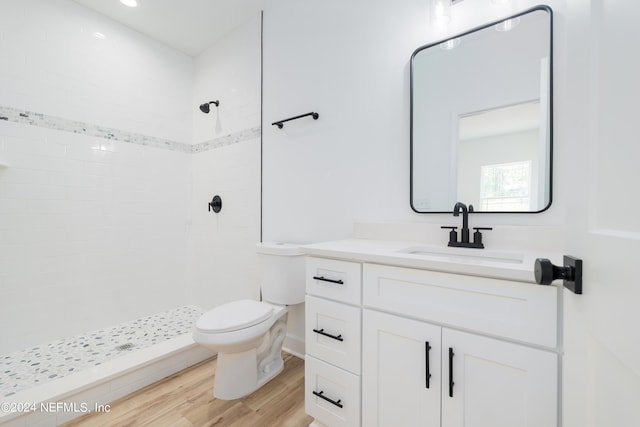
(322, 332)
(451, 383)
(427, 347)
(324, 279)
(334, 402)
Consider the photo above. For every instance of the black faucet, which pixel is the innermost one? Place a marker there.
(464, 232)
(465, 220)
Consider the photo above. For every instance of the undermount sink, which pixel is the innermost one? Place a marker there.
(464, 254)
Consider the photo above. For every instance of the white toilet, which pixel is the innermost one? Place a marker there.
(248, 334)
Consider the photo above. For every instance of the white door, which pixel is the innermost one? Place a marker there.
(396, 387)
(598, 123)
(492, 383)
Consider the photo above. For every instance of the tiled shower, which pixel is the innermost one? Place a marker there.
(106, 169)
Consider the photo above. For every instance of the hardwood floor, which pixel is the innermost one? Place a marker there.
(186, 399)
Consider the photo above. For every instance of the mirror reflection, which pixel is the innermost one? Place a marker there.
(481, 118)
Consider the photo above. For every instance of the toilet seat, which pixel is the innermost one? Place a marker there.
(234, 316)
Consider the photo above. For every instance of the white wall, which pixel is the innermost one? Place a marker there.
(348, 62)
(222, 256)
(353, 163)
(228, 71)
(92, 230)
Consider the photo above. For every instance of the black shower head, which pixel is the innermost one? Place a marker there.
(205, 107)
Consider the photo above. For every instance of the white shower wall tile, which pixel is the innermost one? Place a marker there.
(107, 240)
(52, 63)
(79, 225)
(229, 70)
(231, 235)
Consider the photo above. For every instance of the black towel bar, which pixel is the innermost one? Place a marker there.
(280, 123)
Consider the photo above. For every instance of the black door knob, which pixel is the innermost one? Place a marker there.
(571, 273)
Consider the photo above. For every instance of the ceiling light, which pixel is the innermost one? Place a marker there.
(507, 24)
(441, 10)
(99, 35)
(130, 3)
(450, 44)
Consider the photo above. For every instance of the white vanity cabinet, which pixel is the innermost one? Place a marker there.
(333, 342)
(426, 373)
(392, 346)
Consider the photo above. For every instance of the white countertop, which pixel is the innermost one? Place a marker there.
(508, 265)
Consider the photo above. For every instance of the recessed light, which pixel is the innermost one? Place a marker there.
(130, 3)
(507, 24)
(450, 44)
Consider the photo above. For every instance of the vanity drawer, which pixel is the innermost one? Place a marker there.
(520, 311)
(337, 280)
(332, 395)
(333, 333)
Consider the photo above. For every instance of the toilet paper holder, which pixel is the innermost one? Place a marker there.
(570, 273)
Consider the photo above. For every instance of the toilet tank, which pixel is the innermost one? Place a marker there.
(281, 273)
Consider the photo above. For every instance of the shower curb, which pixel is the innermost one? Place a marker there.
(66, 398)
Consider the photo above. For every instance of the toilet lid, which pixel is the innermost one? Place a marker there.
(234, 316)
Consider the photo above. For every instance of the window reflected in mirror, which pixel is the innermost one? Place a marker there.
(499, 156)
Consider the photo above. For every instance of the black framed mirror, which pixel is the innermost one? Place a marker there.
(482, 118)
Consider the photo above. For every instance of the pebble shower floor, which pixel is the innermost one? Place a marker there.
(46, 362)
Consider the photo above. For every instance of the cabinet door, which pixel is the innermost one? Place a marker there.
(399, 356)
(491, 383)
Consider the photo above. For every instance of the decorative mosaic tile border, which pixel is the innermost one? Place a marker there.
(234, 138)
(51, 122)
(34, 366)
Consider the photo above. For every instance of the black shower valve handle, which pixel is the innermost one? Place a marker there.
(215, 204)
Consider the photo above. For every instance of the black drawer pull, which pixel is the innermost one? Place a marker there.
(427, 347)
(451, 383)
(322, 332)
(324, 279)
(319, 394)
